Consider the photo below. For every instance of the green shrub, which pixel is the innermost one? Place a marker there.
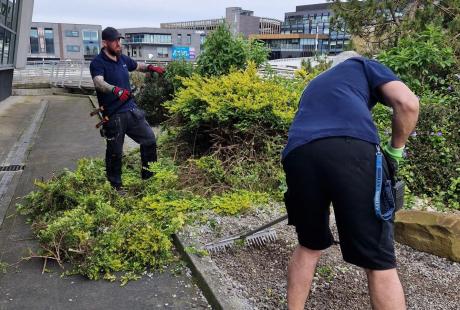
(155, 91)
(234, 105)
(434, 153)
(100, 233)
(424, 61)
(222, 51)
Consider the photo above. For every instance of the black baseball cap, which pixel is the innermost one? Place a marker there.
(111, 34)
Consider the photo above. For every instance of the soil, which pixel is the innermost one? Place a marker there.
(259, 273)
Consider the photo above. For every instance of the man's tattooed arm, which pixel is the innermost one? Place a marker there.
(101, 85)
(142, 67)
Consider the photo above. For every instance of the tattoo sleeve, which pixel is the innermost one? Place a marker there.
(102, 85)
(142, 67)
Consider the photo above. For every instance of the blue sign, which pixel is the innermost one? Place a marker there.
(180, 52)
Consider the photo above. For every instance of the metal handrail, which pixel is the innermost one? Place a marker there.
(68, 74)
(76, 74)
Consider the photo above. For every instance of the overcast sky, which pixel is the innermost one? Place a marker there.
(150, 13)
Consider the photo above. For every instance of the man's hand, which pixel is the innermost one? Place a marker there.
(159, 70)
(394, 157)
(121, 93)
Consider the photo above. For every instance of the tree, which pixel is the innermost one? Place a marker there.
(380, 24)
(222, 52)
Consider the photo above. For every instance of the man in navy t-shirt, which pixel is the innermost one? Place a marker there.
(330, 157)
(110, 72)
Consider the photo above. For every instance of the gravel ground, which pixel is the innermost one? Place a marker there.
(259, 273)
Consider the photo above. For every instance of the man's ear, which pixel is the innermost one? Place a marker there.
(104, 43)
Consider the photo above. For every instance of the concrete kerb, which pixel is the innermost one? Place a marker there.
(218, 293)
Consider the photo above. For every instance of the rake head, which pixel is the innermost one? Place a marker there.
(258, 239)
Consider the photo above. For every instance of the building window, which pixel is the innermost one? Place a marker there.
(73, 48)
(6, 47)
(34, 41)
(189, 39)
(8, 27)
(90, 35)
(162, 39)
(90, 43)
(163, 52)
(179, 39)
(8, 15)
(149, 38)
(202, 39)
(71, 33)
(49, 40)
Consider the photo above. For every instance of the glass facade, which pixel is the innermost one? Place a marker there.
(147, 38)
(90, 43)
(163, 52)
(49, 41)
(72, 33)
(8, 30)
(314, 23)
(34, 40)
(73, 48)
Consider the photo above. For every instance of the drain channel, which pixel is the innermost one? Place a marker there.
(12, 168)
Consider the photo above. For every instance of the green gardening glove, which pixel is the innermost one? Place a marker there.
(395, 154)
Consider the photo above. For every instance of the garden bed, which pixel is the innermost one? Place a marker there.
(259, 273)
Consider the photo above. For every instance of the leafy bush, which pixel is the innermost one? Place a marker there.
(176, 70)
(222, 51)
(427, 64)
(154, 90)
(434, 152)
(235, 104)
(78, 218)
(424, 61)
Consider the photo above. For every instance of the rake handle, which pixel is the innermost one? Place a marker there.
(249, 233)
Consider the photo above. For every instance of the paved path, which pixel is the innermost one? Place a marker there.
(65, 135)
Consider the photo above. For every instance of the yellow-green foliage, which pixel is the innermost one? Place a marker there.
(239, 99)
(78, 218)
(237, 202)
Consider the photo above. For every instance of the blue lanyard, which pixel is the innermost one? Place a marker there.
(378, 187)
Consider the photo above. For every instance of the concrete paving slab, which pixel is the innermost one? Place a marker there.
(16, 114)
(67, 134)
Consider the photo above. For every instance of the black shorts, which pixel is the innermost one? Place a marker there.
(341, 171)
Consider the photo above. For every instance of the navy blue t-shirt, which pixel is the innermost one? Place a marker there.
(115, 73)
(338, 102)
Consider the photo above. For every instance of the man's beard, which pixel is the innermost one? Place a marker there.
(113, 52)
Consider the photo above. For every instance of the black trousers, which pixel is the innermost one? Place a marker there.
(133, 124)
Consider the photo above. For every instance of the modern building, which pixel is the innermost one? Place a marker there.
(58, 41)
(15, 19)
(240, 22)
(306, 32)
(157, 44)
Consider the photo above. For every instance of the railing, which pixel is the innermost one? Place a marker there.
(75, 73)
(68, 74)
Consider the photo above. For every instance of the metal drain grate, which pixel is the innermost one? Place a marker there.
(12, 168)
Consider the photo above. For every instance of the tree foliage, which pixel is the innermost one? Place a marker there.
(424, 61)
(381, 24)
(223, 51)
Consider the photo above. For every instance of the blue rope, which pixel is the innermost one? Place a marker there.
(378, 188)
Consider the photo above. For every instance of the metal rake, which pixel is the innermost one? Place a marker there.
(256, 237)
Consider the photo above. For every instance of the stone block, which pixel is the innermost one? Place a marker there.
(431, 232)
